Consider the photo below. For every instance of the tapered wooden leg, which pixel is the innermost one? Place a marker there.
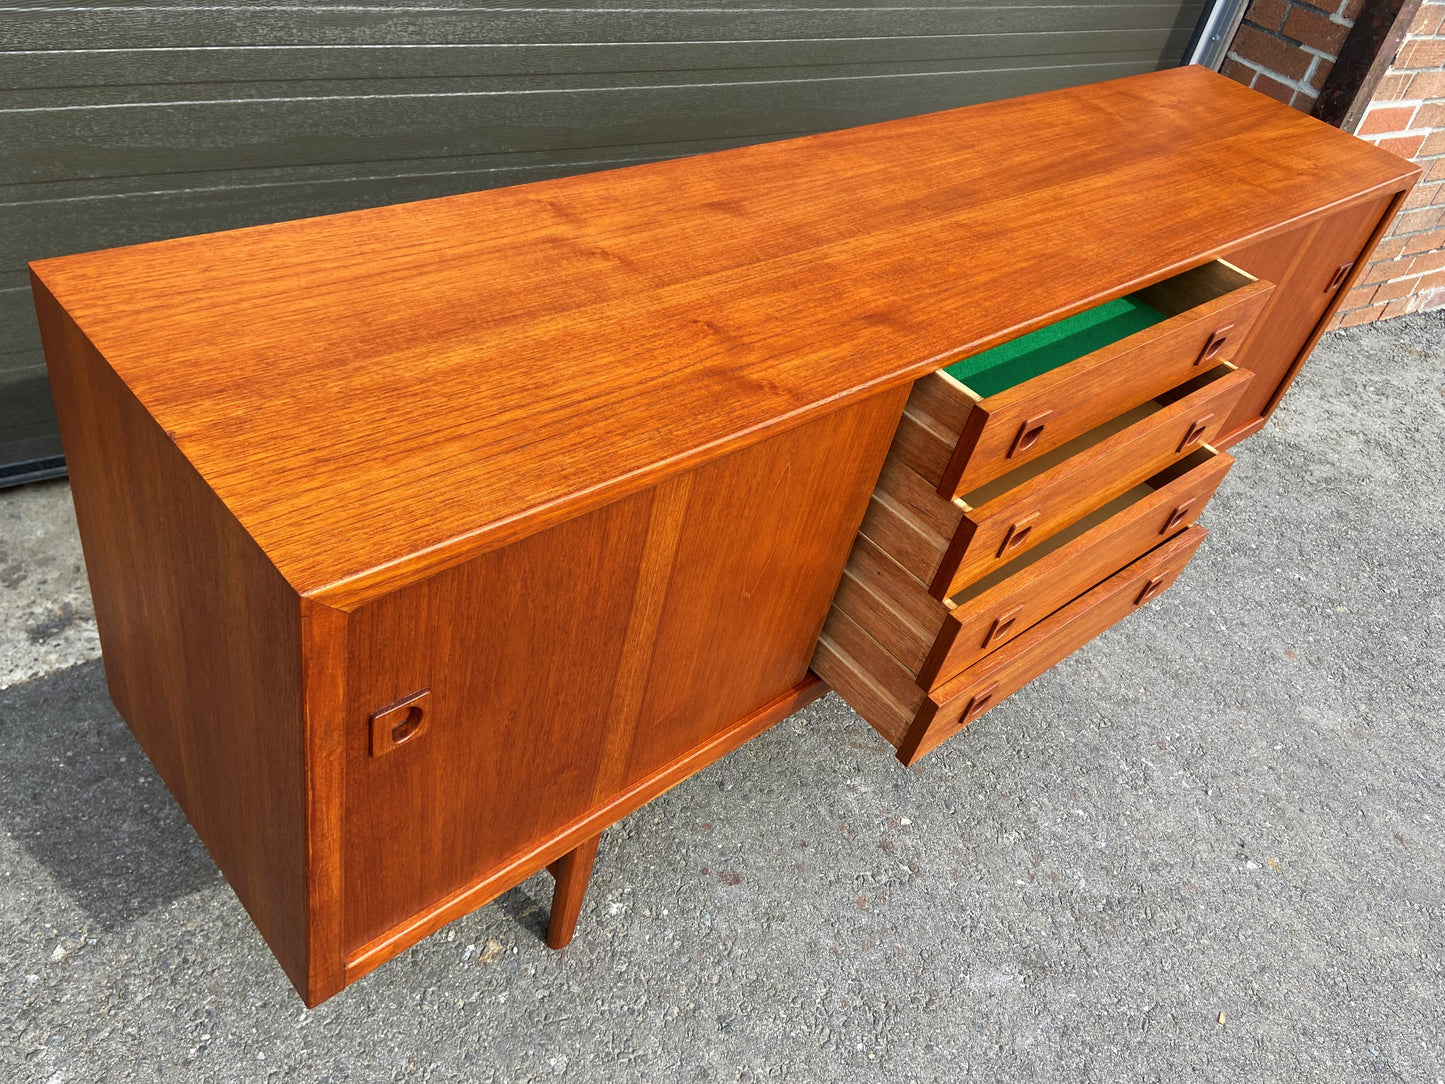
(572, 871)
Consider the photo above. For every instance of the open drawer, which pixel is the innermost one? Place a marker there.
(990, 413)
(950, 543)
(883, 691)
(937, 640)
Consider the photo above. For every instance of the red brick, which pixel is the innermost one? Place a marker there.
(1267, 13)
(1422, 195)
(1237, 71)
(1432, 115)
(1427, 19)
(1350, 9)
(1276, 55)
(1383, 271)
(1362, 316)
(1414, 221)
(1386, 118)
(1404, 146)
(1274, 88)
(1435, 299)
(1436, 172)
(1423, 53)
(1388, 249)
(1397, 308)
(1392, 87)
(1427, 85)
(1431, 261)
(1434, 144)
(1440, 195)
(1320, 73)
(1360, 295)
(1432, 282)
(1391, 290)
(1305, 103)
(1424, 242)
(1315, 30)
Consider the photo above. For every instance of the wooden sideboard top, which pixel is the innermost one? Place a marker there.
(379, 394)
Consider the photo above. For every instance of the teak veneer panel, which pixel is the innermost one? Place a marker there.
(581, 662)
(385, 393)
(1304, 262)
(202, 637)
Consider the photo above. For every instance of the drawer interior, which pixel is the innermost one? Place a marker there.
(1004, 366)
(1038, 352)
(1035, 467)
(1082, 526)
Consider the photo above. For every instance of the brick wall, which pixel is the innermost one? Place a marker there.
(1286, 49)
(1406, 272)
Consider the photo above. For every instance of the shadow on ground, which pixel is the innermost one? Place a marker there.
(84, 802)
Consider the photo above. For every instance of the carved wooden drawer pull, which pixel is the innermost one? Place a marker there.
(1214, 344)
(1196, 432)
(981, 702)
(1176, 517)
(1151, 589)
(1029, 433)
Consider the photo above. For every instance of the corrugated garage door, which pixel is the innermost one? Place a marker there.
(124, 123)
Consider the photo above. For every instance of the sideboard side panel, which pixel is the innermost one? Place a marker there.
(200, 636)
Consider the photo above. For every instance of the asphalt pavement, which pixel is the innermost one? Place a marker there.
(1209, 846)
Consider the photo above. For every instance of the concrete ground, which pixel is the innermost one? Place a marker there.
(1209, 846)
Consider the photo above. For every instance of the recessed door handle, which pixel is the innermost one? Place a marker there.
(1341, 273)
(399, 722)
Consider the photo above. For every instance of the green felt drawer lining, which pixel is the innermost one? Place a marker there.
(1011, 363)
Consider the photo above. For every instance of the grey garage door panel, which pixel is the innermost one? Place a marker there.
(172, 137)
(124, 122)
(153, 26)
(20, 365)
(155, 68)
(75, 220)
(27, 424)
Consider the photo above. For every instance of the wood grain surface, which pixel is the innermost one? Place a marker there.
(579, 663)
(1303, 262)
(1060, 404)
(385, 393)
(984, 686)
(202, 639)
(1089, 478)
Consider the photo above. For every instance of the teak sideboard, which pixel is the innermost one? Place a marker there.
(427, 541)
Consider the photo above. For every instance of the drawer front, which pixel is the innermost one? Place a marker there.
(959, 441)
(972, 693)
(982, 621)
(1017, 519)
